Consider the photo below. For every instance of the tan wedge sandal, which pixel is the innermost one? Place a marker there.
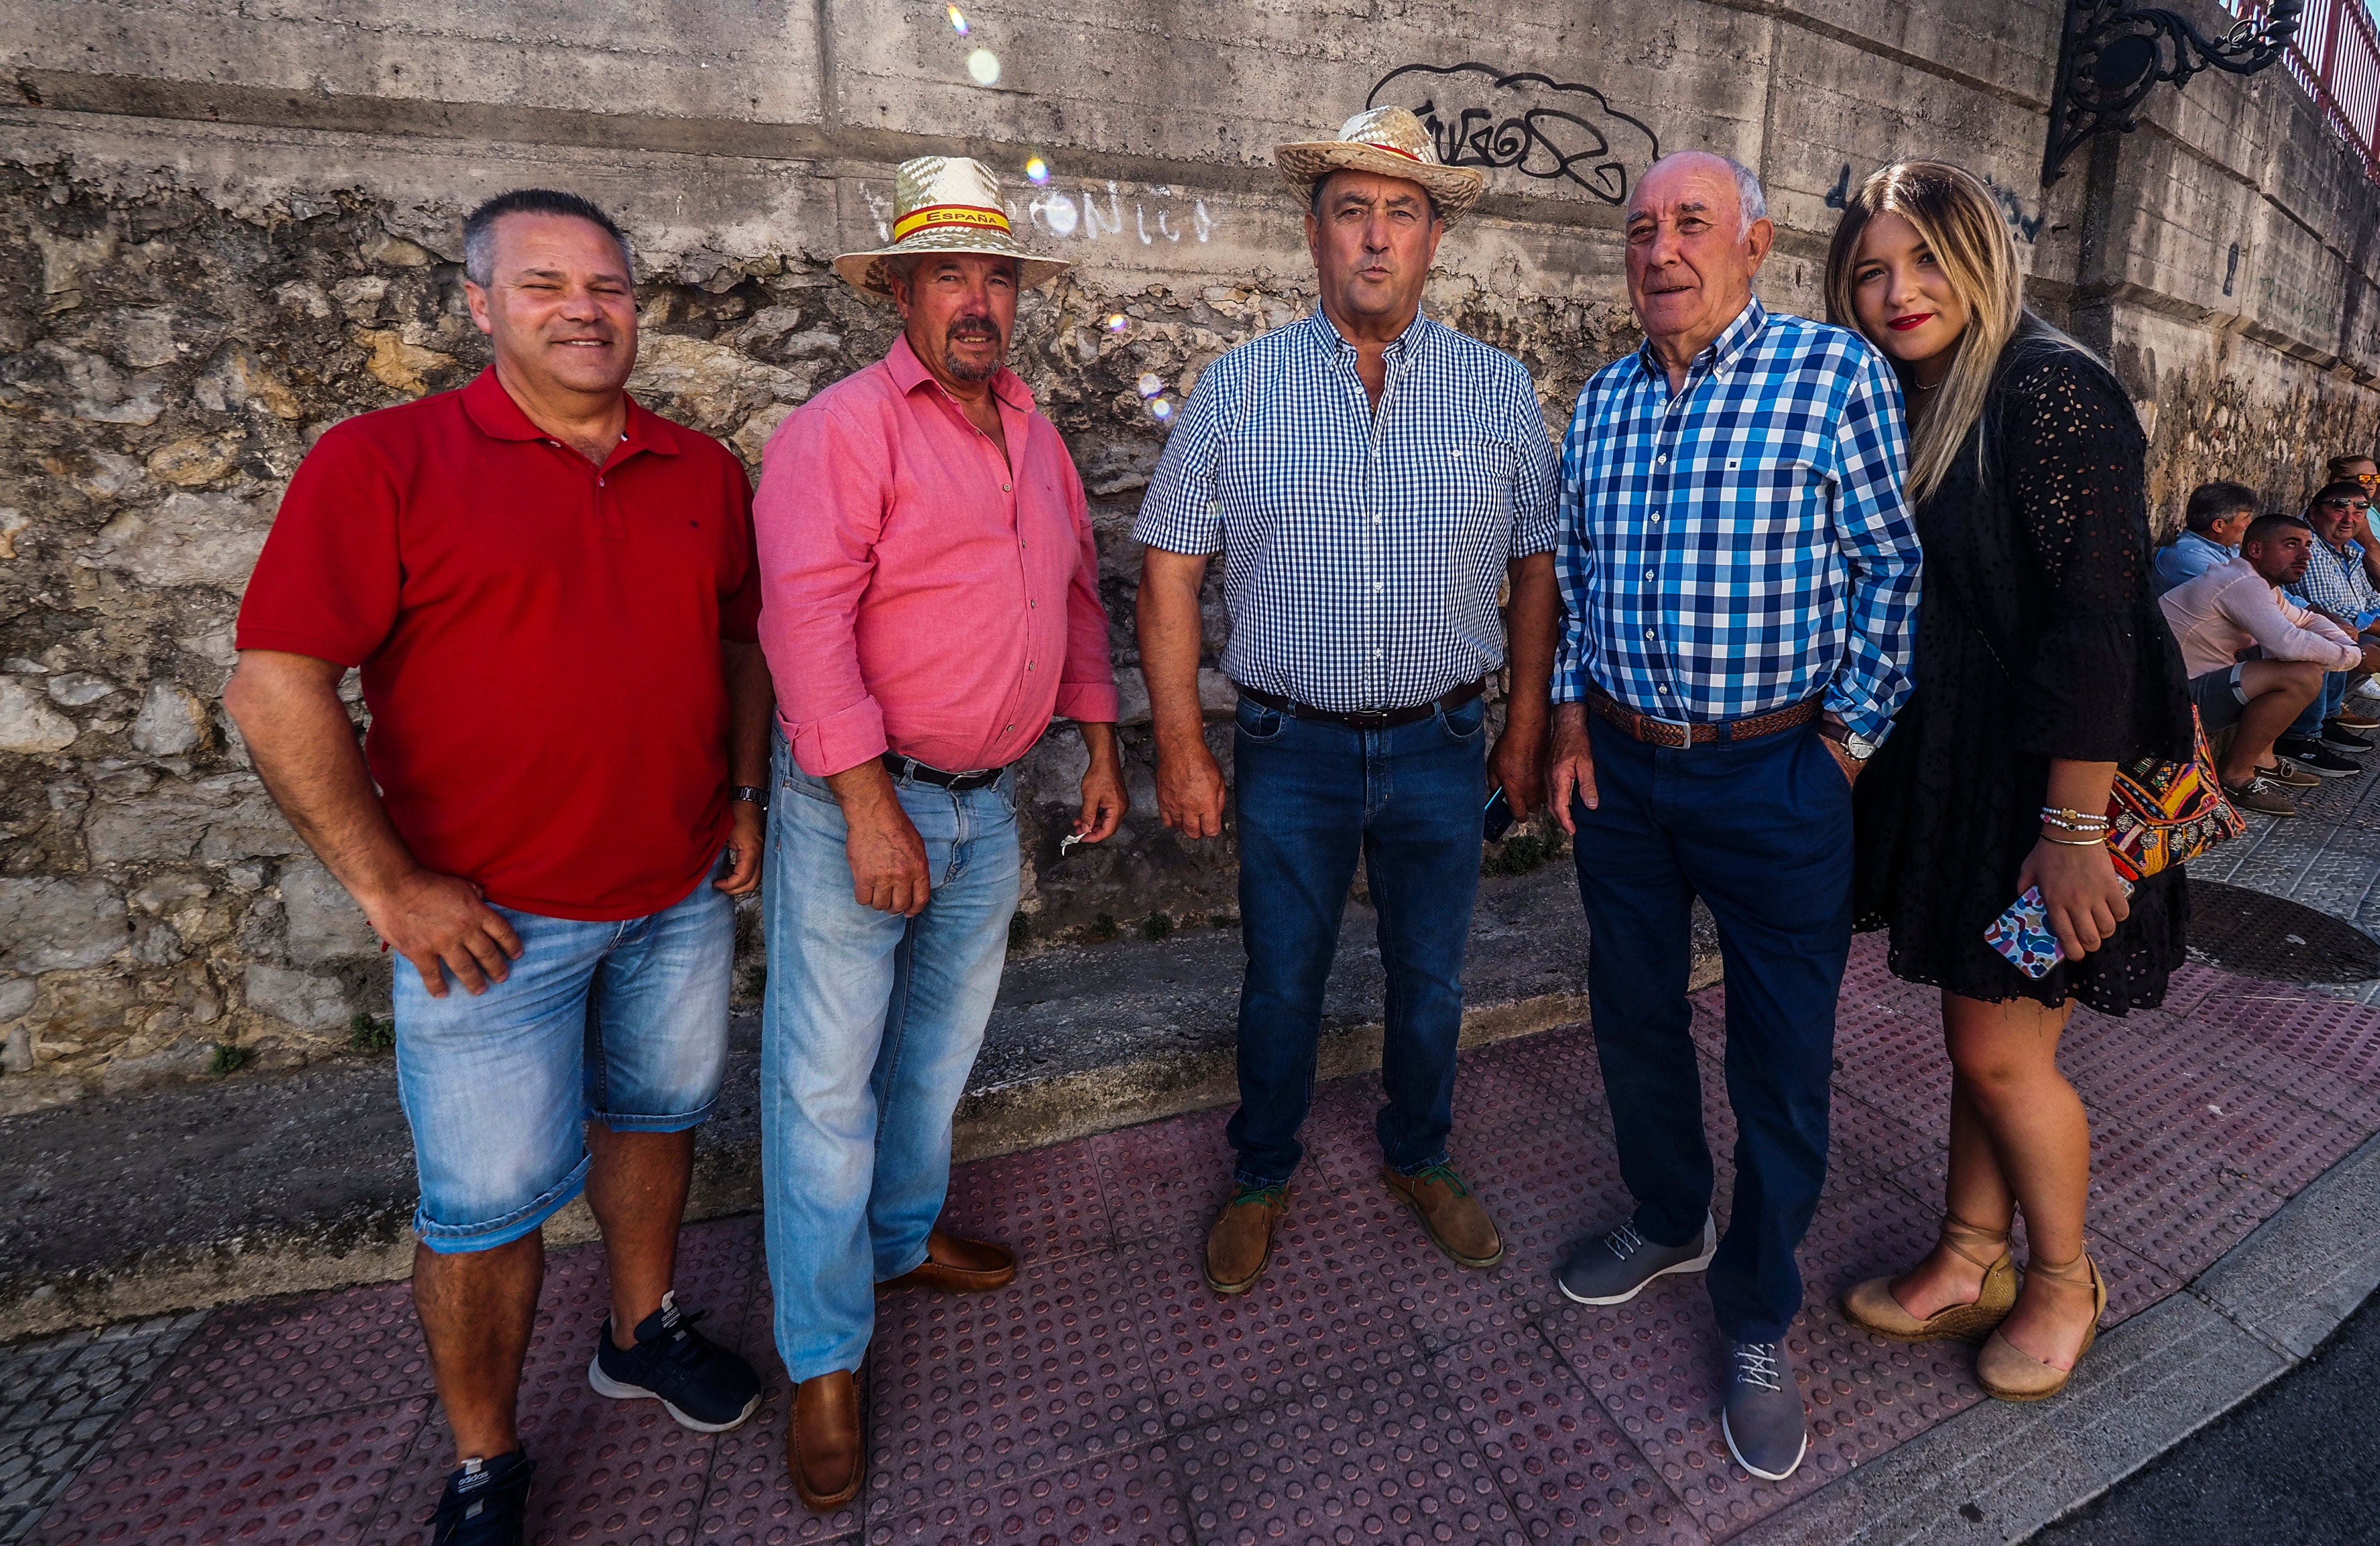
(1872, 1306)
(2012, 1374)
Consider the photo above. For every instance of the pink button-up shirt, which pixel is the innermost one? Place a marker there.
(2231, 606)
(917, 591)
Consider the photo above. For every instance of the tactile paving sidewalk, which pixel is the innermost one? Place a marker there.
(1369, 1391)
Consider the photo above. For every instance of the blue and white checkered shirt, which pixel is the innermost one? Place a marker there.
(2334, 581)
(1362, 549)
(1742, 545)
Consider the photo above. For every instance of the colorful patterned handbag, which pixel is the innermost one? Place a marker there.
(2163, 813)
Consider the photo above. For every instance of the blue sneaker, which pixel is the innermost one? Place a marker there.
(701, 1385)
(486, 1503)
(1762, 1416)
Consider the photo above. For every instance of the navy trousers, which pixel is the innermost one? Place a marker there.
(1312, 796)
(1762, 831)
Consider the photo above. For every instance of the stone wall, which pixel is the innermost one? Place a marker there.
(226, 226)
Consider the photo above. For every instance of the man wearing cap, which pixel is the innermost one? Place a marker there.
(1369, 476)
(930, 599)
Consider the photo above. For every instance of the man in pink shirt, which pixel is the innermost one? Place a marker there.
(2237, 605)
(930, 598)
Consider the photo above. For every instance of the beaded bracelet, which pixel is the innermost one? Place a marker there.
(2063, 826)
(2070, 819)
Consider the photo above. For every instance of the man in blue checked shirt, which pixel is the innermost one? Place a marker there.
(1369, 477)
(1740, 578)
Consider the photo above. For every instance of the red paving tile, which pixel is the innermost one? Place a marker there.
(1367, 1391)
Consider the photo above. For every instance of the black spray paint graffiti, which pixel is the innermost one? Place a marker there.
(2026, 226)
(1480, 116)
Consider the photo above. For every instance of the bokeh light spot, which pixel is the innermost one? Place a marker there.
(1149, 386)
(958, 20)
(1163, 409)
(1037, 171)
(984, 65)
(1118, 322)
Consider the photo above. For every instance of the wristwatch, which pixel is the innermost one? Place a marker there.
(750, 795)
(1857, 746)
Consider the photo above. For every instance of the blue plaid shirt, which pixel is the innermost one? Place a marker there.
(1741, 546)
(1362, 549)
(2334, 581)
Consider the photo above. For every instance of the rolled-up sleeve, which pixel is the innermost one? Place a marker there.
(824, 489)
(1180, 514)
(1573, 561)
(1536, 476)
(1087, 693)
(1878, 543)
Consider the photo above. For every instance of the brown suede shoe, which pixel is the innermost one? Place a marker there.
(824, 1447)
(1450, 1215)
(955, 1264)
(1241, 1243)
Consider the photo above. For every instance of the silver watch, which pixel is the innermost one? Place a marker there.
(1857, 746)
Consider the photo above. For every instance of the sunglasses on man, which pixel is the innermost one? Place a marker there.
(2348, 505)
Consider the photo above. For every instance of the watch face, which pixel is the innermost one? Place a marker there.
(1860, 748)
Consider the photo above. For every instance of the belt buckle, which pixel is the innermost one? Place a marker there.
(1683, 727)
(1368, 719)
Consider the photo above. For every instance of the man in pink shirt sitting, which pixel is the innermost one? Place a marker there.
(2237, 605)
(930, 598)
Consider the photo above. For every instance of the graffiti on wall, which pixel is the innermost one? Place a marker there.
(1524, 121)
(2022, 222)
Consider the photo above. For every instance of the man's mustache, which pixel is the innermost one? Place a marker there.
(972, 327)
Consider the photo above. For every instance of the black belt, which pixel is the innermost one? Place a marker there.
(958, 784)
(1369, 719)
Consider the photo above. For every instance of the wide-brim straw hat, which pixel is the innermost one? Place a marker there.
(944, 204)
(1390, 141)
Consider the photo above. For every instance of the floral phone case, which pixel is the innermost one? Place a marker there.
(2022, 935)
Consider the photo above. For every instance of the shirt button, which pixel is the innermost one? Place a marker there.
(1648, 574)
(1004, 488)
(1661, 461)
(1657, 515)
(1030, 603)
(1648, 633)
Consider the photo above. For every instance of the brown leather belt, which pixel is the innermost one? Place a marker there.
(1378, 719)
(1677, 735)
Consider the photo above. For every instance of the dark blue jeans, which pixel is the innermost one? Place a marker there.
(1313, 796)
(1762, 831)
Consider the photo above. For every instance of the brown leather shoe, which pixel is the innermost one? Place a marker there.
(1450, 1215)
(954, 1264)
(824, 1447)
(1241, 1243)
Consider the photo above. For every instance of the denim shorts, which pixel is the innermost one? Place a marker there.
(623, 1022)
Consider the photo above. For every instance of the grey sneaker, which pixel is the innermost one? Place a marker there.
(1763, 1420)
(1613, 1269)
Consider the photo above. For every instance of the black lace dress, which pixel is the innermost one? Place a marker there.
(2039, 557)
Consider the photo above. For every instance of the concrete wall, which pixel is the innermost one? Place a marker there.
(224, 226)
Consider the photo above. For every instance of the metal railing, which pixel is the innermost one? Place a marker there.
(2337, 58)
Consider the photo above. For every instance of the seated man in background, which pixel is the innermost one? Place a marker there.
(2339, 582)
(2225, 611)
(2212, 523)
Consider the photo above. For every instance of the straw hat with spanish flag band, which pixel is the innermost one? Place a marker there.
(943, 203)
(1390, 141)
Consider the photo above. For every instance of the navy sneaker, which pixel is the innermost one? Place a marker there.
(486, 1503)
(701, 1385)
(1762, 1418)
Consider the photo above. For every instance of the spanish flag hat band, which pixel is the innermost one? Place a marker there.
(944, 204)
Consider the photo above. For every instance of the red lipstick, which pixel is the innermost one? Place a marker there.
(1902, 324)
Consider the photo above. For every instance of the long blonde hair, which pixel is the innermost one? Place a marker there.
(1960, 224)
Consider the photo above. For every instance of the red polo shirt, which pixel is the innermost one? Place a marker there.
(540, 639)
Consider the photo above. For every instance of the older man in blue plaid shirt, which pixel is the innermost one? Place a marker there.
(1370, 477)
(1739, 578)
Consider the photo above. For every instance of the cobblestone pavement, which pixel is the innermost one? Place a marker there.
(2328, 857)
(63, 1395)
(1368, 1391)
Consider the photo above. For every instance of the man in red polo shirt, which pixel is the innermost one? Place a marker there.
(552, 595)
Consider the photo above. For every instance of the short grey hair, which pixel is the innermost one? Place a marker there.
(479, 227)
(1749, 199)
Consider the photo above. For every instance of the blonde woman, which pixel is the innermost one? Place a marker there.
(2042, 662)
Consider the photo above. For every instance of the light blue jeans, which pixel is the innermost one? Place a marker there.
(871, 1025)
(624, 1023)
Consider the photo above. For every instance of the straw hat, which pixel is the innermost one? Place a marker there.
(944, 204)
(1390, 141)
